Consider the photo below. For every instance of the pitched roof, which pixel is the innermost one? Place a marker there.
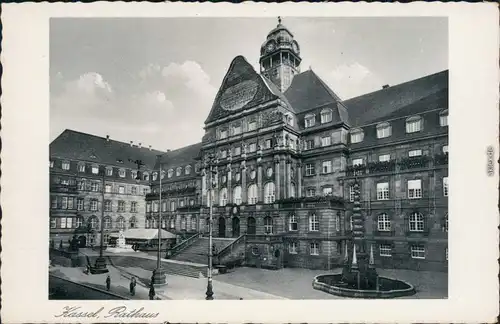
(182, 156)
(274, 89)
(384, 103)
(79, 146)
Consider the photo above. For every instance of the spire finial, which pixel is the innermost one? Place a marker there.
(279, 20)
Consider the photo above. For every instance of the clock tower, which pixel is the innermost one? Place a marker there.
(280, 57)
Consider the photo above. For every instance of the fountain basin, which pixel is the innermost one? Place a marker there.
(388, 287)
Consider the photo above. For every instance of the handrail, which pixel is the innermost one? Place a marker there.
(230, 246)
(184, 244)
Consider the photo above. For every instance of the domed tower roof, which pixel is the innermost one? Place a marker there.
(279, 37)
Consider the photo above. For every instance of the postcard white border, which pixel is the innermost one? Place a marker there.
(473, 235)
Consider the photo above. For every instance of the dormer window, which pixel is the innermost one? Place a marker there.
(133, 174)
(170, 173)
(178, 172)
(162, 174)
(237, 129)
(326, 116)
(443, 118)
(155, 176)
(309, 120)
(187, 171)
(109, 172)
(384, 130)
(95, 169)
(357, 136)
(65, 165)
(121, 173)
(414, 124)
(119, 161)
(81, 167)
(223, 134)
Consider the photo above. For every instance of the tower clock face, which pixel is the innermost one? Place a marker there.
(270, 47)
(295, 47)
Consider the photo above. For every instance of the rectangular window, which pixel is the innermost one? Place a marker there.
(326, 141)
(237, 151)
(94, 186)
(252, 147)
(446, 253)
(53, 202)
(383, 191)
(414, 125)
(383, 223)
(64, 203)
(310, 169)
(121, 173)
(314, 248)
(71, 202)
(292, 247)
(414, 189)
(292, 223)
(445, 186)
(172, 206)
(385, 250)
(69, 222)
(145, 191)
(327, 191)
(62, 222)
(148, 207)
(121, 189)
(155, 206)
(65, 165)
(79, 204)
(326, 167)
(351, 193)
(357, 162)
(81, 185)
(108, 188)
(109, 172)
(309, 121)
(133, 190)
(443, 120)
(414, 153)
(121, 206)
(81, 168)
(95, 170)
(181, 203)
(268, 144)
(236, 130)
(107, 206)
(383, 132)
(64, 182)
(53, 223)
(252, 126)
(223, 154)
(313, 223)
(418, 252)
(133, 207)
(416, 222)
(93, 205)
(326, 117)
(223, 134)
(384, 158)
(356, 137)
(309, 144)
(310, 192)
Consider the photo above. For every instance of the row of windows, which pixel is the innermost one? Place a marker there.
(387, 157)
(62, 202)
(153, 223)
(93, 221)
(413, 124)
(416, 223)
(414, 189)
(325, 117)
(83, 185)
(252, 194)
(155, 205)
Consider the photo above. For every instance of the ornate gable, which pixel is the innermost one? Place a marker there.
(241, 88)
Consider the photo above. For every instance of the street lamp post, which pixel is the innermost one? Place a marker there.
(210, 163)
(159, 277)
(100, 262)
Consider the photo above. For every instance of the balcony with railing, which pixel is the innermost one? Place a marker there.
(414, 162)
(171, 192)
(63, 188)
(381, 167)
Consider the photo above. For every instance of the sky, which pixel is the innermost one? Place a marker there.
(153, 80)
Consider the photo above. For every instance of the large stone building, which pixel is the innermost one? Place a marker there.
(94, 178)
(288, 151)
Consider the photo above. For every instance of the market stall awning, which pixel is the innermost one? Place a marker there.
(144, 234)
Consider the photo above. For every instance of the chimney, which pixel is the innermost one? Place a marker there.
(385, 86)
(131, 143)
(140, 145)
(150, 148)
(107, 138)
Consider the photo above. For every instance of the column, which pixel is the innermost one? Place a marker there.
(259, 183)
(299, 180)
(203, 188)
(288, 177)
(229, 188)
(277, 177)
(244, 193)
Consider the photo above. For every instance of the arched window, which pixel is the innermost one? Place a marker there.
(120, 223)
(223, 197)
(193, 223)
(252, 194)
(108, 223)
(163, 174)
(237, 195)
(133, 222)
(292, 190)
(172, 222)
(94, 222)
(292, 223)
(357, 135)
(148, 223)
(384, 130)
(153, 222)
(326, 116)
(443, 118)
(383, 223)
(170, 173)
(183, 223)
(163, 222)
(155, 176)
(188, 170)
(309, 120)
(414, 124)
(416, 222)
(145, 176)
(178, 172)
(269, 191)
(268, 225)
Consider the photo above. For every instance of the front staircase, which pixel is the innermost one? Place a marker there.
(197, 252)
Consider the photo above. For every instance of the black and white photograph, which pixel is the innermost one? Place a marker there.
(234, 157)
(250, 163)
